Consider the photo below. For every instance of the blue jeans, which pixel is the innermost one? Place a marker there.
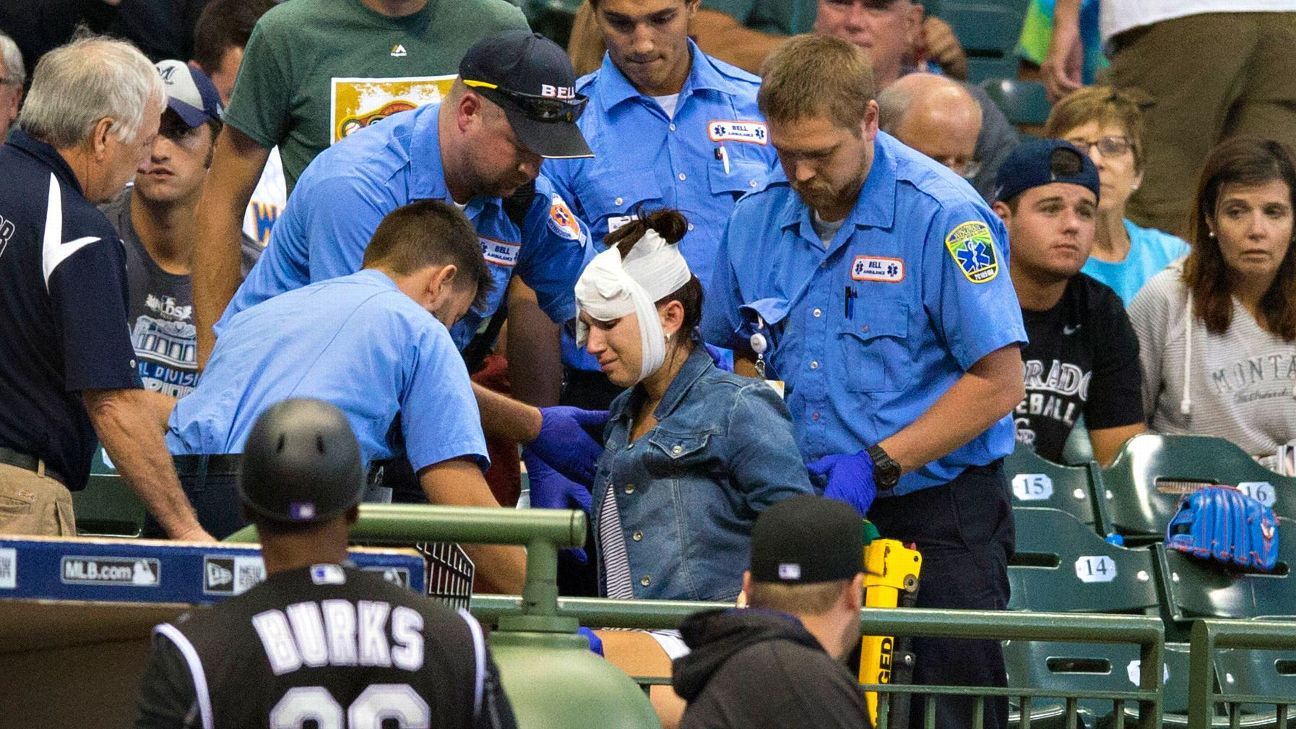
(964, 531)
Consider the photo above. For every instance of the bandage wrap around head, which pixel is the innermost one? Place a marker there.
(612, 287)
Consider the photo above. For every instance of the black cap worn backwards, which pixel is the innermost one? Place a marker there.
(301, 464)
(531, 78)
(1042, 162)
(807, 539)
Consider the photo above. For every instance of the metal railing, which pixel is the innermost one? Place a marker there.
(1145, 632)
(1211, 636)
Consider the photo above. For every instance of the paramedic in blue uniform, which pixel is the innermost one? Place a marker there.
(670, 127)
(67, 365)
(513, 105)
(880, 279)
(374, 343)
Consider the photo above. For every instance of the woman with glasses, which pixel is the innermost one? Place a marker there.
(1109, 126)
(1217, 333)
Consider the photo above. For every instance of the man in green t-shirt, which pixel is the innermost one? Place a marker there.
(313, 72)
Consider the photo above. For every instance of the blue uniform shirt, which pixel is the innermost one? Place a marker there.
(714, 150)
(927, 264)
(343, 195)
(62, 310)
(354, 341)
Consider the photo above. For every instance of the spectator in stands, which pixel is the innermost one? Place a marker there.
(778, 663)
(935, 116)
(374, 343)
(12, 77)
(1082, 357)
(1217, 333)
(1109, 125)
(1216, 69)
(1037, 33)
(67, 367)
(744, 32)
(222, 32)
(875, 31)
(311, 69)
(156, 218)
(673, 517)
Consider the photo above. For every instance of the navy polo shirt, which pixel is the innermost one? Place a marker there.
(62, 309)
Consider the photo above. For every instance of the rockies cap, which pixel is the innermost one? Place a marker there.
(1043, 162)
(531, 78)
(807, 539)
(190, 93)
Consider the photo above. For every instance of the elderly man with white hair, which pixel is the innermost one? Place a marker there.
(68, 375)
(12, 77)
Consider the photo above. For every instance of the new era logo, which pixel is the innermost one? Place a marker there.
(219, 575)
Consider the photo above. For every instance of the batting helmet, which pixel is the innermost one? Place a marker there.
(301, 464)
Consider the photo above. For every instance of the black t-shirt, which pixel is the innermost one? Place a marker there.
(62, 309)
(312, 643)
(1082, 358)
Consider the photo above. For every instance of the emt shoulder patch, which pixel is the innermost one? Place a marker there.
(973, 250)
(561, 220)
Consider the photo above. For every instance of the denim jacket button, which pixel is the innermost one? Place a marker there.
(629, 488)
(677, 449)
(637, 536)
(645, 580)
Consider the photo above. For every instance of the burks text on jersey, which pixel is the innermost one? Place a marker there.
(341, 633)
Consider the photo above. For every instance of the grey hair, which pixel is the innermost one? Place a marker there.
(76, 85)
(893, 104)
(14, 70)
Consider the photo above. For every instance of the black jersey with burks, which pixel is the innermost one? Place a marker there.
(62, 309)
(327, 644)
(1082, 358)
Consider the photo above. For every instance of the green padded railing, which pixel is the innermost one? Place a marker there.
(1209, 639)
(1146, 632)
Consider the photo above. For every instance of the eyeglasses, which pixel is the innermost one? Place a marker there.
(965, 168)
(538, 108)
(1110, 146)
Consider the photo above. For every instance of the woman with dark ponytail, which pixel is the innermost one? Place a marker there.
(692, 453)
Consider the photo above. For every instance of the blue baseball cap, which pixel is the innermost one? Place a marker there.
(1043, 162)
(190, 93)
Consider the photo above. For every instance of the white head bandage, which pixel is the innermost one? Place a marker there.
(611, 288)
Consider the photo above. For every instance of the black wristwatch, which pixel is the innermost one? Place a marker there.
(886, 472)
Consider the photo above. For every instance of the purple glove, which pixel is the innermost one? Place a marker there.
(564, 444)
(596, 643)
(722, 358)
(847, 478)
(552, 490)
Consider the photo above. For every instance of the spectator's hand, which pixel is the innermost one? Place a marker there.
(847, 478)
(1062, 67)
(552, 490)
(564, 444)
(943, 47)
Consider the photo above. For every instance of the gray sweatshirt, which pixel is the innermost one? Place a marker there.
(1240, 385)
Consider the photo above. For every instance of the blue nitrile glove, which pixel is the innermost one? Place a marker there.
(847, 478)
(596, 643)
(551, 490)
(565, 445)
(721, 358)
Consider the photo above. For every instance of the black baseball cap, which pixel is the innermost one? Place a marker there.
(807, 539)
(1043, 162)
(531, 78)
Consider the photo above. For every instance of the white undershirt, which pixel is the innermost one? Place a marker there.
(827, 230)
(668, 103)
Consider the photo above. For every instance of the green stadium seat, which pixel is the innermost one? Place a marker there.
(1038, 482)
(1194, 588)
(1257, 673)
(107, 507)
(1153, 472)
(1023, 102)
(988, 32)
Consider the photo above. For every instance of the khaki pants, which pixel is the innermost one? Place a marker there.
(34, 504)
(1210, 76)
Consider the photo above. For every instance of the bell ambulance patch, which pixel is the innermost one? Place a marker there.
(973, 250)
(751, 132)
(562, 221)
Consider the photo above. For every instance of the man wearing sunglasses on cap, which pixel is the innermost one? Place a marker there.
(513, 105)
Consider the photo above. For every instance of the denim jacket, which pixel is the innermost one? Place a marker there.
(689, 490)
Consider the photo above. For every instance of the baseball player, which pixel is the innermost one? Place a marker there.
(319, 641)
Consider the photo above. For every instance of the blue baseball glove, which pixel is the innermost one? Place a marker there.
(847, 478)
(1226, 525)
